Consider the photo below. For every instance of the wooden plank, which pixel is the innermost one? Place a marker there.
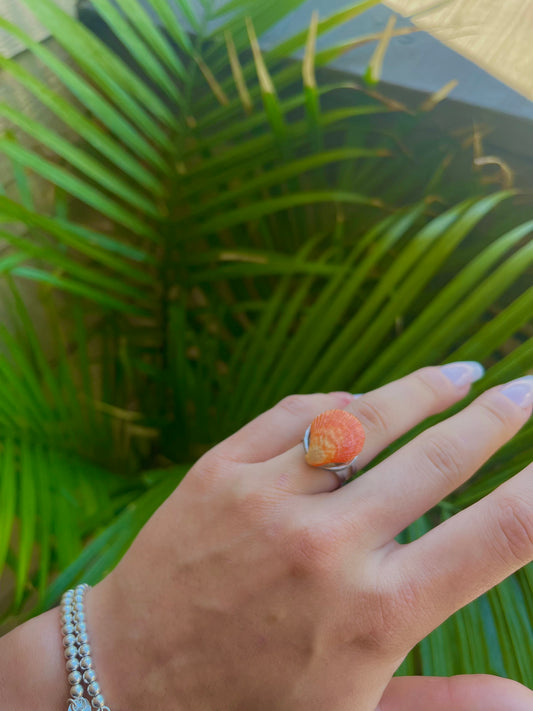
(496, 35)
(16, 12)
(15, 95)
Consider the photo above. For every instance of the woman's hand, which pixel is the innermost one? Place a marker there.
(260, 585)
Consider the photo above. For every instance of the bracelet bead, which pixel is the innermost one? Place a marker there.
(98, 702)
(89, 676)
(94, 688)
(72, 664)
(74, 677)
(76, 690)
(71, 651)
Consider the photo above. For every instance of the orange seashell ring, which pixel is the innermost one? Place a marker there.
(333, 441)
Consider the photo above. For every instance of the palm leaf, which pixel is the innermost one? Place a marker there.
(221, 236)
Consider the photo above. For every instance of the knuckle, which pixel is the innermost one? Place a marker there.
(432, 380)
(372, 416)
(499, 410)
(294, 404)
(212, 472)
(252, 505)
(442, 457)
(310, 551)
(381, 630)
(514, 530)
(407, 596)
(397, 604)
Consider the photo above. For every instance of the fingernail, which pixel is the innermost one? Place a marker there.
(520, 391)
(463, 372)
(357, 394)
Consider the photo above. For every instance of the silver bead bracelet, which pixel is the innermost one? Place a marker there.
(78, 657)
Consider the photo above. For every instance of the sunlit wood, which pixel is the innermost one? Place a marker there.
(495, 34)
(16, 12)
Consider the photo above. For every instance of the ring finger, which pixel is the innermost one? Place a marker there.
(386, 414)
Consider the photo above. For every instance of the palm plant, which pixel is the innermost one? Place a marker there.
(218, 238)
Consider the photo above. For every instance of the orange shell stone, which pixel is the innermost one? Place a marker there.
(335, 437)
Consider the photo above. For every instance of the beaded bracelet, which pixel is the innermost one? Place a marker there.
(78, 652)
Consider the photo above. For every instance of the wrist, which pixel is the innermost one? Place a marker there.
(131, 663)
(120, 657)
(32, 668)
(33, 674)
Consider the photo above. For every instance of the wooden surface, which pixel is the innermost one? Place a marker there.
(496, 34)
(16, 12)
(12, 93)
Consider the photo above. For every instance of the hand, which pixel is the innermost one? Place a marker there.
(259, 584)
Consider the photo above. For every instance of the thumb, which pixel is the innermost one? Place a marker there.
(476, 692)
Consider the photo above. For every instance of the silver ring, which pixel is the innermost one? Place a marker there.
(342, 471)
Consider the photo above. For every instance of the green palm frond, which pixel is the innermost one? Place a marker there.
(55, 486)
(229, 225)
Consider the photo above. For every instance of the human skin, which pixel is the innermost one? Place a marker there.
(259, 584)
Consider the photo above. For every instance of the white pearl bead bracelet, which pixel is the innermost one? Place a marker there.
(77, 652)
